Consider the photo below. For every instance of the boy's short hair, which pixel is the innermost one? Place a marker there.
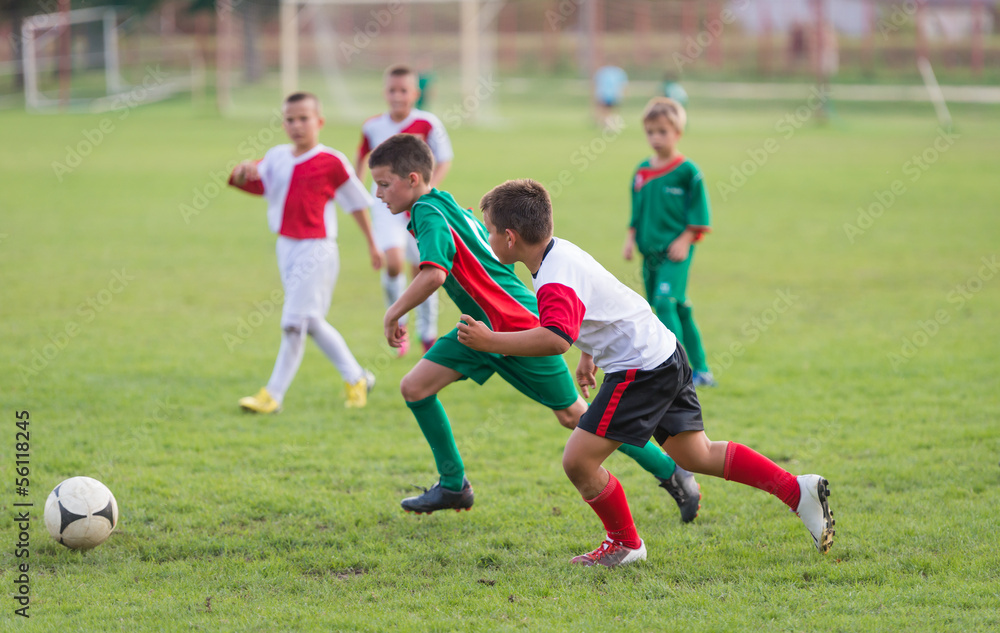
(404, 154)
(296, 97)
(522, 205)
(400, 70)
(668, 108)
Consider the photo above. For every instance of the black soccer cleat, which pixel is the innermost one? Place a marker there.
(685, 491)
(438, 498)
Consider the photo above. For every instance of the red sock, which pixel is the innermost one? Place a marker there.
(749, 467)
(613, 509)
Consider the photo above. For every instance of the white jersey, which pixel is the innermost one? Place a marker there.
(581, 301)
(423, 125)
(301, 190)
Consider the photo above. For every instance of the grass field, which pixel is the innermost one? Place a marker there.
(860, 345)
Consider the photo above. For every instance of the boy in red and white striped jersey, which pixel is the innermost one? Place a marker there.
(391, 236)
(301, 181)
(647, 389)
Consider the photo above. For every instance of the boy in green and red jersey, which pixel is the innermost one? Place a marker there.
(455, 253)
(669, 214)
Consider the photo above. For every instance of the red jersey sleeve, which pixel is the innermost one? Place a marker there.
(255, 187)
(560, 310)
(364, 148)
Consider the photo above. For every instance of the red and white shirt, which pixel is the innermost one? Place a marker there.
(423, 125)
(301, 190)
(582, 302)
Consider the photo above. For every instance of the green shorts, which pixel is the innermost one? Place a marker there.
(544, 379)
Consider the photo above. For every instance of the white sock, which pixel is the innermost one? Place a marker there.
(427, 319)
(392, 288)
(293, 346)
(335, 347)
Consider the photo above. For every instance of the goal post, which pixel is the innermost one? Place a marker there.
(476, 38)
(40, 32)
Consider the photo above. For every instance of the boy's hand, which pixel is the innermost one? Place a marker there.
(395, 333)
(680, 248)
(247, 170)
(473, 333)
(629, 249)
(586, 374)
(378, 257)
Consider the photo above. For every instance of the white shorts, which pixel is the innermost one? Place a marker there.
(309, 270)
(390, 231)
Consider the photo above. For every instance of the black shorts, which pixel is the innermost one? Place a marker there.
(635, 404)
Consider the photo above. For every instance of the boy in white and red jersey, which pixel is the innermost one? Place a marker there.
(647, 389)
(454, 255)
(301, 182)
(391, 236)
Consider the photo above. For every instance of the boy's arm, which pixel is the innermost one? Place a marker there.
(427, 281)
(586, 374)
(359, 162)
(629, 249)
(440, 171)
(539, 341)
(246, 176)
(361, 217)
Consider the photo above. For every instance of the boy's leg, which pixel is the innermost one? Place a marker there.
(582, 459)
(393, 279)
(286, 365)
(805, 495)
(669, 298)
(691, 338)
(546, 380)
(419, 388)
(427, 319)
(658, 275)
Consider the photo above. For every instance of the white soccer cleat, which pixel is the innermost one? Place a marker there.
(611, 553)
(815, 511)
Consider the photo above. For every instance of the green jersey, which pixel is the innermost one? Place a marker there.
(665, 202)
(452, 239)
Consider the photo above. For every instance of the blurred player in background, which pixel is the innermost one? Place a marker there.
(301, 182)
(669, 214)
(609, 90)
(391, 236)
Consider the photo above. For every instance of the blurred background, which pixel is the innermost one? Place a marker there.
(87, 55)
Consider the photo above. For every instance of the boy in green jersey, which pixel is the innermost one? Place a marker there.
(454, 253)
(669, 214)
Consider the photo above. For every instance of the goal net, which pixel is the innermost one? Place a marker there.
(91, 78)
(344, 45)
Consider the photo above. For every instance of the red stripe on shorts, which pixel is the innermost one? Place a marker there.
(609, 412)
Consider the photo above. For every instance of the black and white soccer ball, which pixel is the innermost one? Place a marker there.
(80, 513)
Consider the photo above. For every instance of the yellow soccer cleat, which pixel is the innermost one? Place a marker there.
(357, 394)
(261, 403)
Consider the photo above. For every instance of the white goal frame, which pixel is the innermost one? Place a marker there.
(41, 28)
(477, 45)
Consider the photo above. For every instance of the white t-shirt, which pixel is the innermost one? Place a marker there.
(301, 190)
(581, 301)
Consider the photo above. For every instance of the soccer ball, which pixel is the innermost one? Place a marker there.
(80, 513)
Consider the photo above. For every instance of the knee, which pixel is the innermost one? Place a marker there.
(411, 389)
(570, 416)
(573, 468)
(312, 325)
(293, 329)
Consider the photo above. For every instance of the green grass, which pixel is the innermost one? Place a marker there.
(233, 522)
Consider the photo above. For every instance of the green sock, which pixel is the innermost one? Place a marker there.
(434, 423)
(652, 458)
(691, 338)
